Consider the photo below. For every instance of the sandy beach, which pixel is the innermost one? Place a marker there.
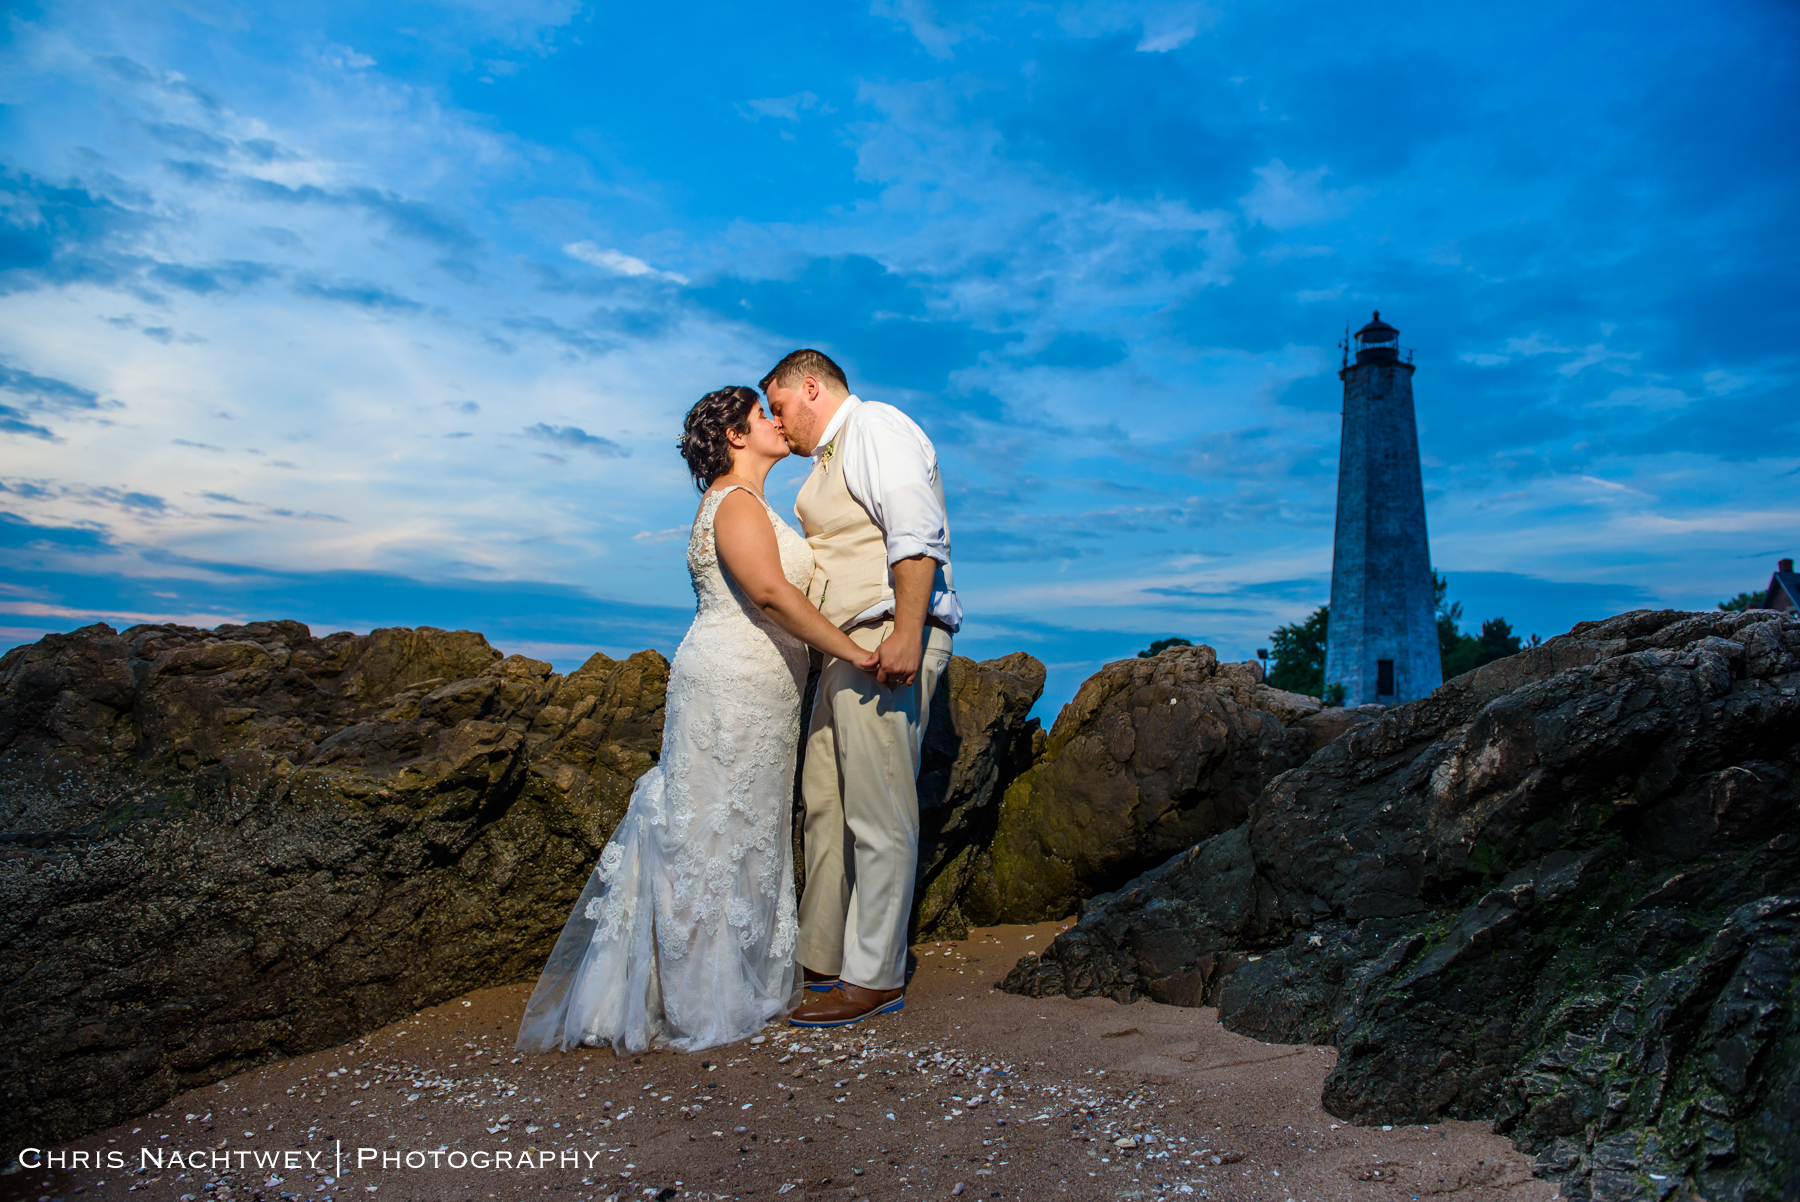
(967, 1093)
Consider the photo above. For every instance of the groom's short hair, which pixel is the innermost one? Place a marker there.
(805, 363)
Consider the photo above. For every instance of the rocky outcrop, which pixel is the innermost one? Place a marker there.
(977, 741)
(1150, 757)
(226, 847)
(1561, 893)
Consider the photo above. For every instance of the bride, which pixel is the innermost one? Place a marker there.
(684, 935)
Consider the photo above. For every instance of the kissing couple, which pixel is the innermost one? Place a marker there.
(687, 934)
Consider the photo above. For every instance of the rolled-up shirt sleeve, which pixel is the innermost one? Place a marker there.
(888, 467)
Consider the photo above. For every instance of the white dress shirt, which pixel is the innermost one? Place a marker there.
(888, 464)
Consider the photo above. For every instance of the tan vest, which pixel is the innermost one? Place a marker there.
(850, 568)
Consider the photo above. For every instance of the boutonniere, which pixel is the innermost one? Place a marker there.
(825, 454)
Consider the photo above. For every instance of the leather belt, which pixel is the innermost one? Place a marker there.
(930, 620)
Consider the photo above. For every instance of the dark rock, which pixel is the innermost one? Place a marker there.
(1561, 892)
(1150, 757)
(1173, 934)
(977, 741)
(226, 847)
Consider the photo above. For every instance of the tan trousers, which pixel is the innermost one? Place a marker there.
(860, 787)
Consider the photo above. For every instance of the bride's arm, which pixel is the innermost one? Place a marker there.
(747, 549)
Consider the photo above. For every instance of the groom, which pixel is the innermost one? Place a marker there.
(873, 513)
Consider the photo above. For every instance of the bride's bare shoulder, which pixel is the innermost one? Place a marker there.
(739, 499)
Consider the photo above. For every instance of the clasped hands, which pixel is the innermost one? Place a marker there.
(895, 663)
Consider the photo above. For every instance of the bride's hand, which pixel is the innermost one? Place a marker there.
(868, 662)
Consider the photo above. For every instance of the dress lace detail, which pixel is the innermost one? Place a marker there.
(684, 934)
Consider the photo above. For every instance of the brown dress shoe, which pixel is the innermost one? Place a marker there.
(846, 1004)
(818, 982)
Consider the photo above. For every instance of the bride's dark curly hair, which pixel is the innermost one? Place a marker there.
(703, 443)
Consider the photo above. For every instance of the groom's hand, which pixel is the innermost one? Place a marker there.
(897, 659)
(901, 652)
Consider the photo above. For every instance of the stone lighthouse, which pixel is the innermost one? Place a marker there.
(1381, 644)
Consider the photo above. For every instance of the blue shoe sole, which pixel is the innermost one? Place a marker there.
(898, 1003)
(821, 986)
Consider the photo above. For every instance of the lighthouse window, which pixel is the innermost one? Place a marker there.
(1384, 678)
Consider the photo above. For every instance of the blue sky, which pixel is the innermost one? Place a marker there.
(388, 314)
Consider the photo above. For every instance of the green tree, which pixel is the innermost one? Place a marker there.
(1497, 640)
(1459, 652)
(1449, 613)
(1162, 645)
(1743, 601)
(1298, 650)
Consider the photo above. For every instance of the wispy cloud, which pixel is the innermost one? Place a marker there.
(34, 395)
(574, 438)
(45, 391)
(122, 617)
(364, 294)
(920, 17)
(618, 262)
(1284, 198)
(211, 277)
(784, 108)
(1161, 25)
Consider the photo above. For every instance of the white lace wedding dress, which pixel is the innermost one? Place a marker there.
(684, 934)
